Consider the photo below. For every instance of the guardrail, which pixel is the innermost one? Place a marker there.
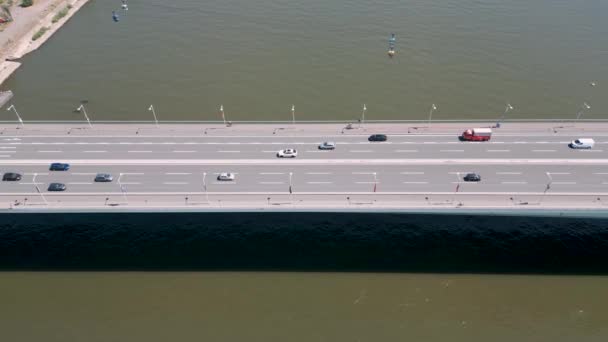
(284, 122)
(287, 201)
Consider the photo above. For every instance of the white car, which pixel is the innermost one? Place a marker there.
(226, 176)
(586, 143)
(287, 153)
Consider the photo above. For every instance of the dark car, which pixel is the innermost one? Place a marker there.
(103, 177)
(59, 167)
(377, 137)
(472, 177)
(56, 187)
(11, 177)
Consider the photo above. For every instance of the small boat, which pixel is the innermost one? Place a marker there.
(391, 45)
(115, 17)
(124, 5)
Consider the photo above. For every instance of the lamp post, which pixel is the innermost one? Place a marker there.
(293, 114)
(290, 187)
(16, 113)
(151, 109)
(41, 194)
(547, 187)
(362, 121)
(205, 186)
(433, 108)
(84, 111)
(580, 112)
(507, 109)
(223, 115)
(123, 188)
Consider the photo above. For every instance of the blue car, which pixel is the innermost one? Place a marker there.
(59, 167)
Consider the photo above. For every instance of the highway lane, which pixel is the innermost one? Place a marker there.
(316, 178)
(348, 147)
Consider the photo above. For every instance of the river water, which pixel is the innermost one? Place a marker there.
(302, 277)
(326, 57)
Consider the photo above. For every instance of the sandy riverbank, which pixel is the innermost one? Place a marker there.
(16, 38)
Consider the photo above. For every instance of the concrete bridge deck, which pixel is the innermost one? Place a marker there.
(421, 166)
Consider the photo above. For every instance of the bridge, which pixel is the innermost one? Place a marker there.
(526, 165)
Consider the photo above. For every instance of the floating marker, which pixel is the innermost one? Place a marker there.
(391, 45)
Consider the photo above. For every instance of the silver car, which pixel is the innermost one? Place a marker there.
(327, 145)
(103, 177)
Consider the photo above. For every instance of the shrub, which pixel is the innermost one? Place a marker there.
(39, 33)
(61, 14)
(26, 3)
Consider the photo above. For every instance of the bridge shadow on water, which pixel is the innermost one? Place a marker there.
(304, 242)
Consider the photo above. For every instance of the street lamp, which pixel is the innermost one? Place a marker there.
(507, 109)
(83, 110)
(547, 187)
(290, 187)
(223, 115)
(580, 112)
(151, 109)
(205, 186)
(16, 113)
(433, 108)
(293, 114)
(375, 182)
(362, 121)
(123, 188)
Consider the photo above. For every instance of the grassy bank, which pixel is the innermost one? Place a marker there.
(40, 33)
(61, 13)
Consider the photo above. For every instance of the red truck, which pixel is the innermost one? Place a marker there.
(477, 134)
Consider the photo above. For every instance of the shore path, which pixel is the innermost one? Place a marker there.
(16, 36)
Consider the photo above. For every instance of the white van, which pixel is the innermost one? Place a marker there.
(582, 143)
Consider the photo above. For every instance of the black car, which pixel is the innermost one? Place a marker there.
(56, 187)
(377, 137)
(472, 177)
(59, 167)
(11, 177)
